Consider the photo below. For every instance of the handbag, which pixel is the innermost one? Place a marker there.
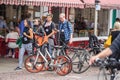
(41, 39)
(108, 41)
(19, 42)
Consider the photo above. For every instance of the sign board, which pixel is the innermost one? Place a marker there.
(97, 7)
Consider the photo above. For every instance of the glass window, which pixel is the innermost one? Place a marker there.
(3, 10)
(84, 22)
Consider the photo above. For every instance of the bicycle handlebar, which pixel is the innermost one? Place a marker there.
(110, 63)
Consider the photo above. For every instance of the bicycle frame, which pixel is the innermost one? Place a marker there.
(39, 53)
(104, 64)
(44, 57)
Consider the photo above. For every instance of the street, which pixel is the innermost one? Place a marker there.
(8, 65)
(89, 26)
(24, 75)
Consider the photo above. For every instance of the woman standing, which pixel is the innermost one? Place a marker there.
(49, 28)
(26, 42)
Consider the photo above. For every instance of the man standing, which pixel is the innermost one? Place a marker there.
(65, 30)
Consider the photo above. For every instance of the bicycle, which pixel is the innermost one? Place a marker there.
(95, 45)
(79, 58)
(35, 63)
(110, 64)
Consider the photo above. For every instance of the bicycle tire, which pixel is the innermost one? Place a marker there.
(82, 63)
(62, 53)
(29, 64)
(65, 66)
(103, 75)
(70, 61)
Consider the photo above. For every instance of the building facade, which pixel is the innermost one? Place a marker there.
(76, 10)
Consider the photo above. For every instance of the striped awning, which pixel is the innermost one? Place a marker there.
(107, 4)
(12, 2)
(56, 3)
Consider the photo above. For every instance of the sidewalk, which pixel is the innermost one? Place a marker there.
(8, 65)
(7, 72)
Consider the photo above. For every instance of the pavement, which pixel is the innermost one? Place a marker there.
(7, 72)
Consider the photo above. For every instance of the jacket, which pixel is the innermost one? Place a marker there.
(67, 27)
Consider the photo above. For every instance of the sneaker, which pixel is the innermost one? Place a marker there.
(18, 68)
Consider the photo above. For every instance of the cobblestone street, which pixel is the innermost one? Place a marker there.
(8, 65)
(60, 35)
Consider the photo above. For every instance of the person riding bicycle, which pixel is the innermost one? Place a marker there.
(114, 33)
(115, 46)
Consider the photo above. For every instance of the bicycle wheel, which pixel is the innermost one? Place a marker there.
(64, 67)
(80, 62)
(63, 53)
(103, 75)
(33, 67)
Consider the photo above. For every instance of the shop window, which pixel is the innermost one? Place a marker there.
(3, 10)
(84, 22)
(36, 12)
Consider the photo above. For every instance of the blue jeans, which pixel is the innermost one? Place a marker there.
(28, 48)
(50, 44)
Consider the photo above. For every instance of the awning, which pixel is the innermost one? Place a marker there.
(56, 3)
(12, 2)
(107, 4)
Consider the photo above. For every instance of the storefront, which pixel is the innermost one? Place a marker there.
(37, 8)
(84, 21)
(14, 9)
(75, 10)
(106, 19)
